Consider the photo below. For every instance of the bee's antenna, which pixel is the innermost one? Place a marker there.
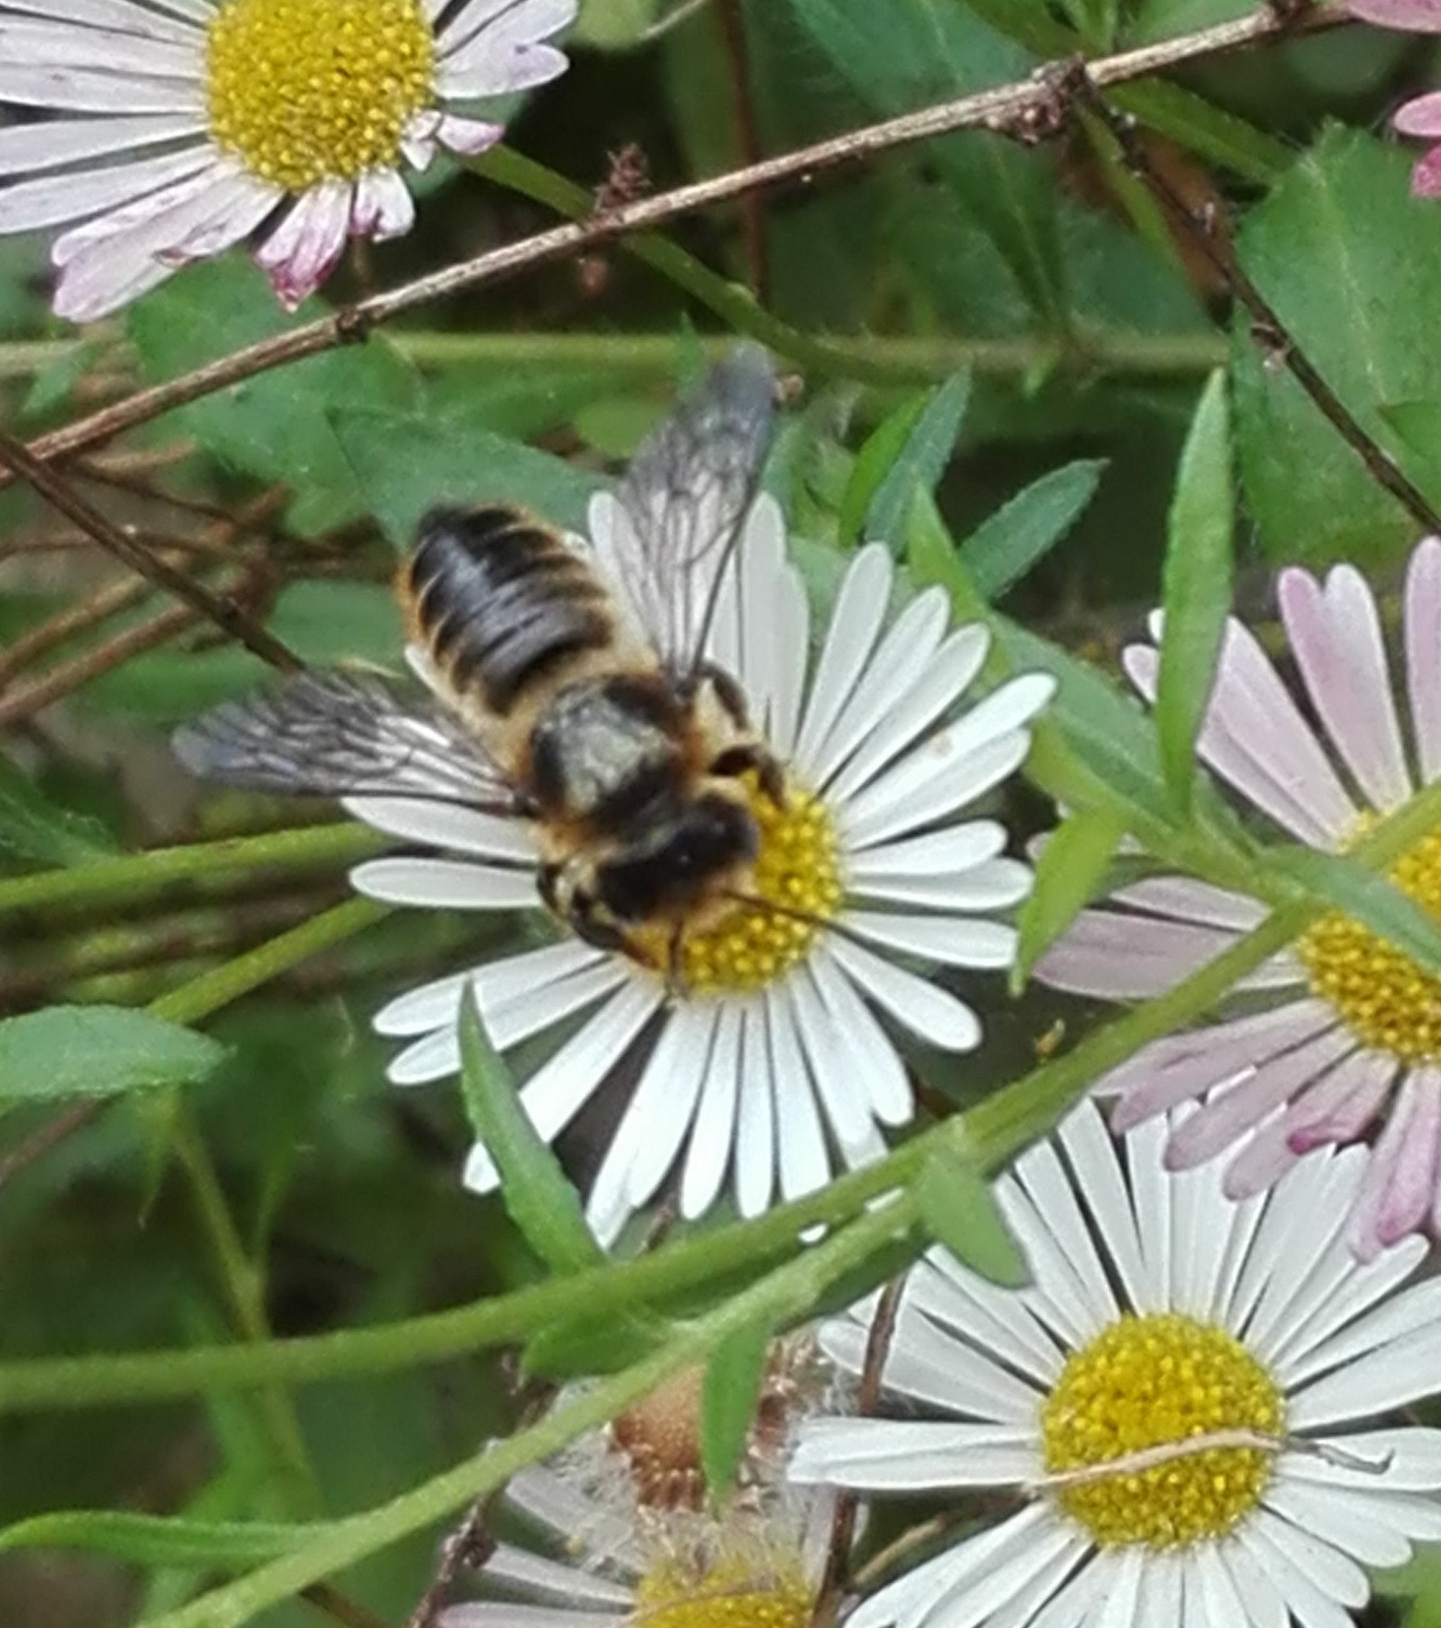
(809, 917)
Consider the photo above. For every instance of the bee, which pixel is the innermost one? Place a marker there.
(569, 688)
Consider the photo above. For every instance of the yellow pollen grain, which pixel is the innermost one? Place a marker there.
(1382, 996)
(308, 90)
(1150, 1382)
(797, 874)
(730, 1592)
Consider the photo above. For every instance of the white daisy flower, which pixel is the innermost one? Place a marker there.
(632, 1555)
(751, 1016)
(1229, 1361)
(181, 126)
(1342, 1030)
(774, 1049)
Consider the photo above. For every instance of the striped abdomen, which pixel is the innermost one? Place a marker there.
(501, 603)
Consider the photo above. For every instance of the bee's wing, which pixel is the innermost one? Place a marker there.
(684, 500)
(338, 735)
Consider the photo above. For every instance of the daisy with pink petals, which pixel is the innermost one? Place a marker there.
(1342, 1032)
(1420, 117)
(180, 127)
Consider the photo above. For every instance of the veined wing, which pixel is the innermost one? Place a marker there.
(668, 536)
(339, 735)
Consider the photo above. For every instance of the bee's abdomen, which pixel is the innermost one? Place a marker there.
(501, 602)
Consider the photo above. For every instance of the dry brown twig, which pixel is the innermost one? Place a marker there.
(1004, 108)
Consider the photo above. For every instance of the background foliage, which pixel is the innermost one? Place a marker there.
(1018, 349)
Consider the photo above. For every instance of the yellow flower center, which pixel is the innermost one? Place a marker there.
(732, 1591)
(306, 90)
(797, 883)
(1383, 997)
(1150, 1382)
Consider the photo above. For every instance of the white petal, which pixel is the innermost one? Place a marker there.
(1092, 1156)
(467, 136)
(755, 1151)
(659, 1115)
(84, 90)
(1423, 653)
(552, 1578)
(996, 885)
(957, 848)
(951, 942)
(303, 250)
(713, 1139)
(498, 982)
(1190, 900)
(932, 1014)
(984, 1314)
(51, 142)
(46, 45)
(54, 199)
(446, 825)
(445, 884)
(874, 1061)
(855, 624)
(112, 14)
(931, 783)
(827, 1049)
(801, 1146)
(562, 1086)
(888, 1455)
(382, 207)
(1338, 1521)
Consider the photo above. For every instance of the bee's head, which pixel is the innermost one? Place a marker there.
(681, 866)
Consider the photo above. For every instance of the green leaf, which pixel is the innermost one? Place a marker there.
(1367, 897)
(958, 1206)
(882, 447)
(1211, 132)
(1069, 873)
(582, 1346)
(162, 1541)
(1022, 532)
(408, 461)
(729, 1397)
(613, 25)
(539, 1199)
(274, 427)
(920, 462)
(1196, 588)
(900, 55)
(34, 828)
(98, 1051)
(1341, 232)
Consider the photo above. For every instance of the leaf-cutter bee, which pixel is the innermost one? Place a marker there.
(569, 687)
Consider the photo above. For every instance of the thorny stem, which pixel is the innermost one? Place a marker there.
(1204, 229)
(228, 616)
(1004, 107)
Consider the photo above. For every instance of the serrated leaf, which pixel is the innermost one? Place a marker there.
(729, 1396)
(1069, 872)
(406, 461)
(919, 463)
(162, 1541)
(98, 1051)
(1023, 531)
(537, 1196)
(1341, 226)
(34, 828)
(1196, 588)
(1367, 897)
(958, 1206)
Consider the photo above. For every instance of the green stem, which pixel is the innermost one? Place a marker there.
(765, 1304)
(990, 1133)
(136, 875)
(903, 360)
(212, 990)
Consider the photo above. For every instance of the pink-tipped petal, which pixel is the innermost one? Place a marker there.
(1413, 16)
(1263, 1159)
(382, 207)
(1340, 1107)
(1335, 633)
(1423, 653)
(1421, 116)
(1426, 176)
(1411, 1191)
(303, 250)
(1378, 1206)
(467, 136)
(1252, 1098)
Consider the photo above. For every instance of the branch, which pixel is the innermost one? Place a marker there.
(228, 616)
(1006, 108)
(1205, 228)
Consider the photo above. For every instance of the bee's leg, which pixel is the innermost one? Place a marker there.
(727, 691)
(750, 757)
(675, 979)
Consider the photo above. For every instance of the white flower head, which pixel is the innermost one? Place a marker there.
(773, 1061)
(639, 1541)
(1229, 1362)
(181, 126)
(1342, 1030)
(747, 1004)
